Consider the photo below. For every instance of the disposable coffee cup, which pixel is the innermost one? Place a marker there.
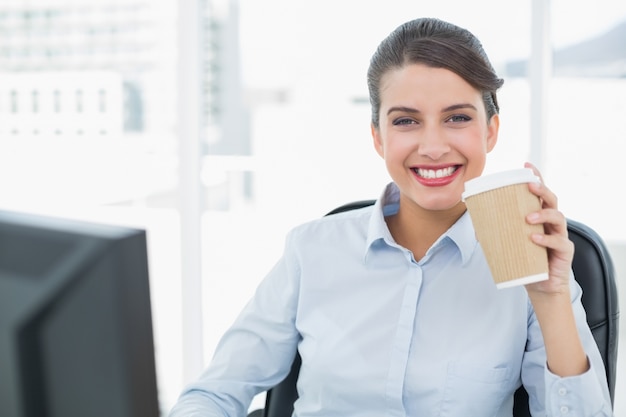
(498, 205)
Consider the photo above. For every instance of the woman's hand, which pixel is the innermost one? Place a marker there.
(554, 238)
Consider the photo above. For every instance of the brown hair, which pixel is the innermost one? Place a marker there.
(438, 44)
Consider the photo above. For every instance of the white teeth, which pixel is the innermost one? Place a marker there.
(435, 173)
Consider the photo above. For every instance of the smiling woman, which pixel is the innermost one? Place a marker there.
(411, 266)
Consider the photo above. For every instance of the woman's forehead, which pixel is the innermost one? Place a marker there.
(418, 82)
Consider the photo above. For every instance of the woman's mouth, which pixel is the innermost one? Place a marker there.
(434, 177)
(436, 173)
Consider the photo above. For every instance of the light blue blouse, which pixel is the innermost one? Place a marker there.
(381, 334)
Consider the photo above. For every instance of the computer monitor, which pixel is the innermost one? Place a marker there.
(76, 335)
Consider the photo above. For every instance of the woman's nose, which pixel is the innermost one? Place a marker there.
(433, 144)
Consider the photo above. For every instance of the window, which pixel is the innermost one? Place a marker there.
(14, 105)
(79, 101)
(35, 101)
(57, 101)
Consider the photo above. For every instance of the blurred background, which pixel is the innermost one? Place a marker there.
(218, 125)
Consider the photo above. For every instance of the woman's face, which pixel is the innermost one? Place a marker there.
(433, 134)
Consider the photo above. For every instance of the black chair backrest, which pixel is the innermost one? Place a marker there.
(593, 269)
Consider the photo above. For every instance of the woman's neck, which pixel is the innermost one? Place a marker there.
(417, 229)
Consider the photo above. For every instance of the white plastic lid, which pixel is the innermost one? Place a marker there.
(500, 179)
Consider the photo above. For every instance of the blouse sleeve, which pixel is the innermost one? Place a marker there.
(581, 395)
(254, 354)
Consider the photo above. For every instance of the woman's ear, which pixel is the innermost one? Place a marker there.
(378, 140)
(492, 132)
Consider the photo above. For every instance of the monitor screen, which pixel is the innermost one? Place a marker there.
(76, 334)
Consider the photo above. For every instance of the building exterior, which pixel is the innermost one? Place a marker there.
(96, 39)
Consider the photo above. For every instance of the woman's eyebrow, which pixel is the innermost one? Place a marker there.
(402, 109)
(459, 106)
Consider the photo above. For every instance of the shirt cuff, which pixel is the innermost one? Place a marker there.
(580, 395)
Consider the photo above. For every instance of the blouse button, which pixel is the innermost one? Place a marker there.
(564, 410)
(562, 391)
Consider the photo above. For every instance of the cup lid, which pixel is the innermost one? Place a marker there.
(499, 179)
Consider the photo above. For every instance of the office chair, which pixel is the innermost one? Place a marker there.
(593, 269)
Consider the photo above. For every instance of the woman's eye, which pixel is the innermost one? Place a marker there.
(459, 118)
(403, 121)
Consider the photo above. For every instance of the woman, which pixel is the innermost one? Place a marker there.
(392, 307)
